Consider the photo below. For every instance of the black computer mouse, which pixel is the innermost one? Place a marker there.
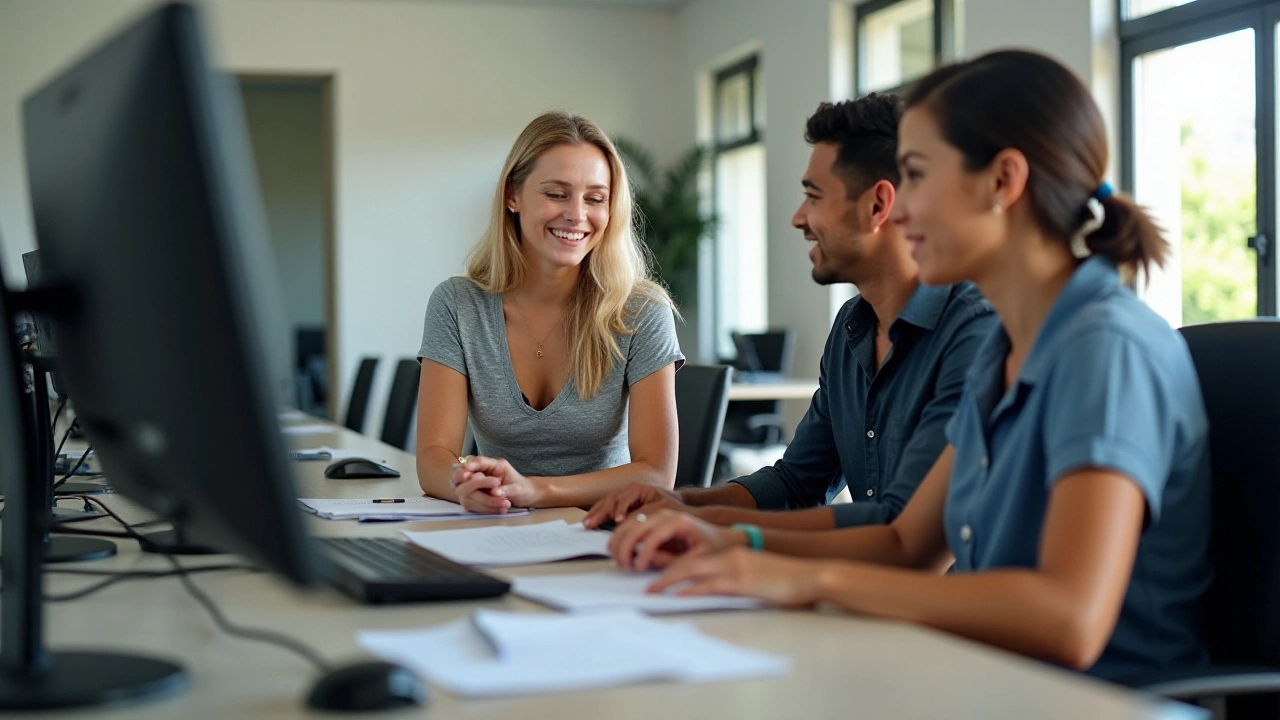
(359, 468)
(373, 685)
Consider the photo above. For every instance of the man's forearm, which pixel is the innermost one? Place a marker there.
(731, 494)
(819, 518)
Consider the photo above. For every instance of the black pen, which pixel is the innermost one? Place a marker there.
(388, 500)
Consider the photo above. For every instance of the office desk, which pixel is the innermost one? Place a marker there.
(845, 667)
(786, 390)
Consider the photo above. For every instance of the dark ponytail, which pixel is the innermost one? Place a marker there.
(1128, 235)
(1029, 102)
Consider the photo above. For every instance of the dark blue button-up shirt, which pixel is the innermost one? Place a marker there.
(879, 430)
(1107, 384)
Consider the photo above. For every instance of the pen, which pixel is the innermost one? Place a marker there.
(388, 500)
(488, 639)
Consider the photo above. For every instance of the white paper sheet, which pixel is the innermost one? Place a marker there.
(411, 508)
(311, 429)
(553, 653)
(618, 589)
(519, 545)
(324, 452)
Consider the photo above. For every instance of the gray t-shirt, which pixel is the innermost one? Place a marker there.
(464, 330)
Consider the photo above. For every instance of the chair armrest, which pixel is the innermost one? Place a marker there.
(1212, 681)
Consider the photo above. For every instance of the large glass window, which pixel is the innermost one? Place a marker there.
(898, 41)
(1199, 119)
(741, 277)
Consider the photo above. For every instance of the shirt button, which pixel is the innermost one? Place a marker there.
(871, 433)
(984, 462)
(870, 492)
(966, 533)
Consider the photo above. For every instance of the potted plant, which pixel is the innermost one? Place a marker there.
(667, 208)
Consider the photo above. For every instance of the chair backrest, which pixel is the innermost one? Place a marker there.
(358, 403)
(1238, 364)
(402, 402)
(702, 393)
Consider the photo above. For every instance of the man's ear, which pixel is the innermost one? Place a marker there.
(882, 195)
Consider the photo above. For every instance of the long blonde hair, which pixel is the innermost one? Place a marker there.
(616, 270)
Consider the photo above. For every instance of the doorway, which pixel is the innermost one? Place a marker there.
(290, 123)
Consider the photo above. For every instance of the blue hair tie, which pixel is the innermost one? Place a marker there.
(1104, 191)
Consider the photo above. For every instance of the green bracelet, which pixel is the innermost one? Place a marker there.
(755, 538)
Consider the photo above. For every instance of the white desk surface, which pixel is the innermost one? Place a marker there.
(786, 390)
(844, 666)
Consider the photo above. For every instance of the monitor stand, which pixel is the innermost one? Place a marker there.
(31, 676)
(174, 542)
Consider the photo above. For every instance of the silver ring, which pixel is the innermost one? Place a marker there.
(641, 517)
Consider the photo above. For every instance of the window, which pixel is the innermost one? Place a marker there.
(740, 278)
(1199, 138)
(898, 41)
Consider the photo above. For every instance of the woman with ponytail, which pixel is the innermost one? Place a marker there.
(1072, 503)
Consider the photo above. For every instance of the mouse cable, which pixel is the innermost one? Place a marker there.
(257, 635)
(264, 636)
(79, 462)
(111, 578)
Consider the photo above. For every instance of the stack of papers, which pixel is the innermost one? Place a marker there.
(392, 509)
(617, 589)
(324, 452)
(309, 429)
(520, 545)
(505, 653)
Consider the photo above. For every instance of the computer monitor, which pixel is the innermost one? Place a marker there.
(159, 284)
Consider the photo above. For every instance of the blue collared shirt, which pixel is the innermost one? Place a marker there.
(879, 430)
(1107, 384)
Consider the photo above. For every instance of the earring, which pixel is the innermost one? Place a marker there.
(997, 208)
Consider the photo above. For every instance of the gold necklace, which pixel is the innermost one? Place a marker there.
(529, 328)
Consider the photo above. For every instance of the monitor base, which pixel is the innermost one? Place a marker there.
(75, 549)
(172, 542)
(91, 678)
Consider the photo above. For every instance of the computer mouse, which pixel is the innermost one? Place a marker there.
(373, 685)
(359, 468)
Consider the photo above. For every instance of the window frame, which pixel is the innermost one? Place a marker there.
(944, 37)
(1190, 23)
(748, 67)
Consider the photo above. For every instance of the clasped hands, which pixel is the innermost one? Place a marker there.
(490, 485)
(656, 531)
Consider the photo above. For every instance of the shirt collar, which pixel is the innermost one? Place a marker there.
(923, 309)
(1096, 276)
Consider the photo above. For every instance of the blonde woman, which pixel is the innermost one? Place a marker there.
(556, 344)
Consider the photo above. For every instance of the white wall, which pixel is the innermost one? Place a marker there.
(806, 56)
(429, 97)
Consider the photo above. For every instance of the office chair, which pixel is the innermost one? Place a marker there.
(311, 368)
(1237, 363)
(702, 394)
(402, 403)
(358, 403)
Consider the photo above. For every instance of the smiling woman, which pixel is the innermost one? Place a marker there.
(557, 345)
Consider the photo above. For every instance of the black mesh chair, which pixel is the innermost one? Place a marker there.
(702, 394)
(1237, 363)
(402, 403)
(358, 403)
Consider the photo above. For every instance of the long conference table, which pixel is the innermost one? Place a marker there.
(843, 666)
